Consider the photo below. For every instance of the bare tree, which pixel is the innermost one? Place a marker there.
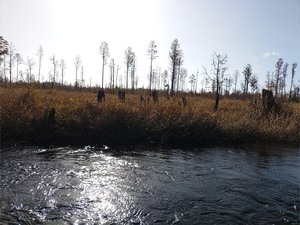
(112, 74)
(77, 63)
(82, 77)
(129, 55)
(132, 73)
(136, 80)
(254, 83)
(40, 54)
(11, 59)
(22, 76)
(206, 81)
(183, 76)
(268, 81)
(30, 64)
(54, 62)
(294, 65)
(154, 77)
(62, 66)
(179, 64)
(278, 73)
(104, 52)
(236, 76)
(283, 80)
(247, 75)
(228, 83)
(19, 60)
(196, 81)
(165, 78)
(3, 48)
(158, 78)
(218, 72)
(3, 77)
(117, 73)
(192, 81)
(3, 52)
(174, 55)
(152, 53)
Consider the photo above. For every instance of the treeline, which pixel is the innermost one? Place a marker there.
(175, 80)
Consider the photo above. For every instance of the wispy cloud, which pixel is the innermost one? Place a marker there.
(268, 54)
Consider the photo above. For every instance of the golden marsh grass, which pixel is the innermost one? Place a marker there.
(81, 119)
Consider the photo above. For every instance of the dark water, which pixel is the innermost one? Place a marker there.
(209, 185)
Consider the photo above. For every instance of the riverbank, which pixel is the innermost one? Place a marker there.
(61, 117)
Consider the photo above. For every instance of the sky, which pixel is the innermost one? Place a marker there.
(255, 32)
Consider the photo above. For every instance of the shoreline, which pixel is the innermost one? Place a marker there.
(124, 146)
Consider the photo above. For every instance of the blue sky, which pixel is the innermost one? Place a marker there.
(255, 32)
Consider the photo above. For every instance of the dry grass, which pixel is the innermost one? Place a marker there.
(80, 119)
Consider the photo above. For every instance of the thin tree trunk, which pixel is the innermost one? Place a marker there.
(291, 86)
(150, 76)
(217, 96)
(102, 71)
(127, 77)
(173, 79)
(217, 101)
(178, 75)
(113, 76)
(62, 78)
(40, 69)
(17, 72)
(10, 69)
(76, 84)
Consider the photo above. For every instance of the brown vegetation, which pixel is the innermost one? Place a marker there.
(52, 116)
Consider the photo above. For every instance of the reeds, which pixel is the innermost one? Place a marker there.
(79, 118)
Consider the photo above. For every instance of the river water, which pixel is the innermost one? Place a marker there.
(100, 185)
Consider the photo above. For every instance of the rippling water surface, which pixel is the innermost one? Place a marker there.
(211, 185)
